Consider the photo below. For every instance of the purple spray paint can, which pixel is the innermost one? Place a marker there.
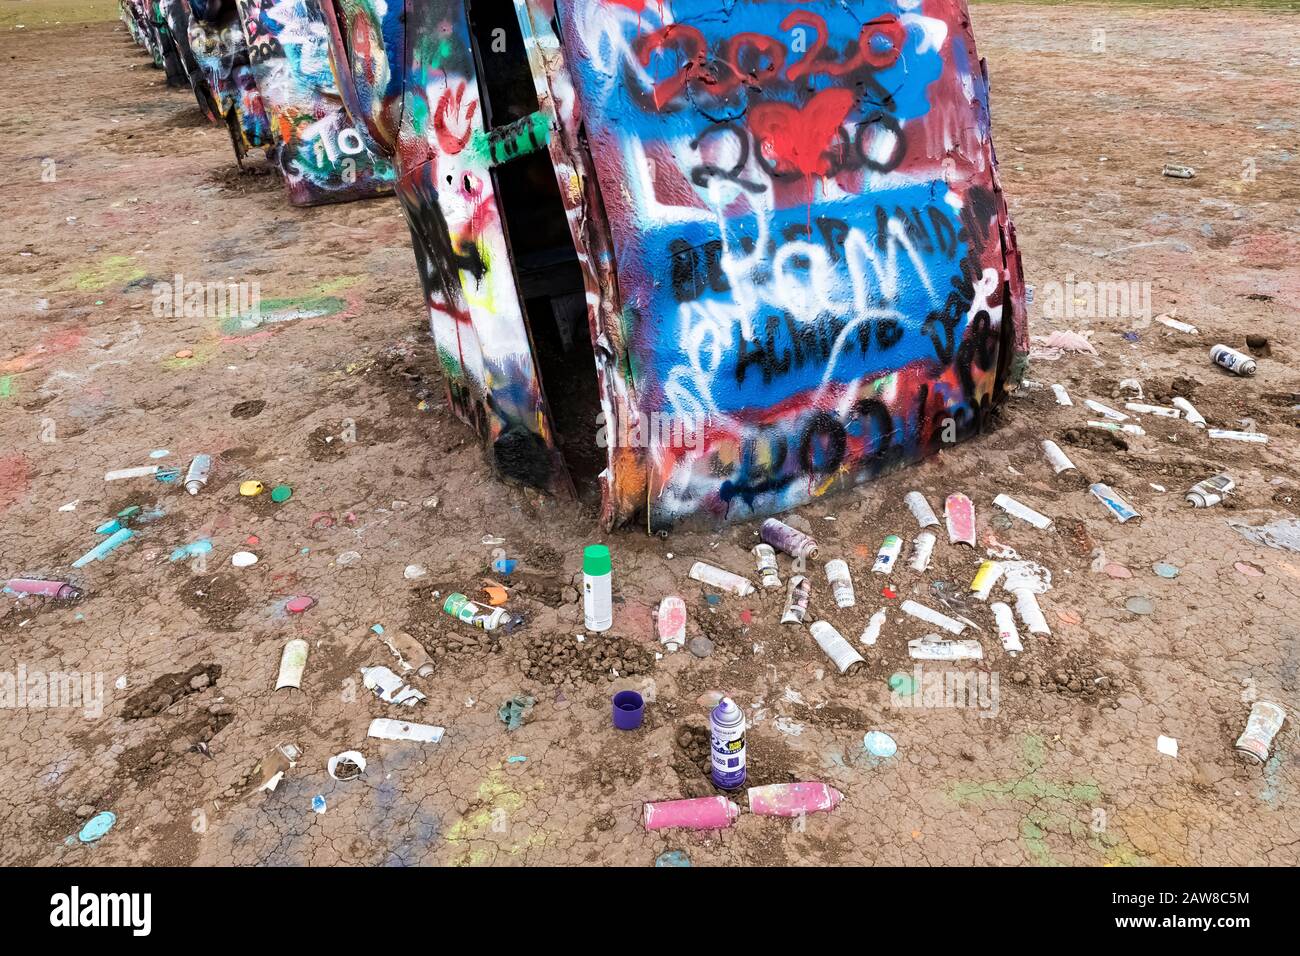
(727, 744)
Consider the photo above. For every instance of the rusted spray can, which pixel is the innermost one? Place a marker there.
(796, 601)
(463, 609)
(1266, 719)
(765, 556)
(785, 538)
(1211, 491)
(1239, 363)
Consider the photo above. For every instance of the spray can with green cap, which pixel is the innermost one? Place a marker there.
(597, 595)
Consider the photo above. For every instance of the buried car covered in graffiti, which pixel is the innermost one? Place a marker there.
(781, 222)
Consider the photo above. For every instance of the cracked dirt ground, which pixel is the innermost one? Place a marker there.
(1065, 772)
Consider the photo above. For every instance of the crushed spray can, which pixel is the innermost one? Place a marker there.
(1116, 505)
(1266, 719)
(959, 512)
(1160, 411)
(796, 601)
(1227, 434)
(1106, 411)
(1056, 458)
(922, 548)
(1062, 396)
(1189, 410)
(837, 573)
(727, 744)
(1210, 492)
(1239, 363)
(1115, 427)
(785, 538)
(793, 799)
(1006, 623)
(985, 578)
(197, 476)
(834, 646)
(888, 554)
(921, 510)
(672, 622)
(931, 617)
(1023, 512)
(463, 609)
(718, 578)
(59, 590)
(765, 557)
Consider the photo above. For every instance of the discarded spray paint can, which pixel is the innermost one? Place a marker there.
(1056, 458)
(793, 799)
(388, 728)
(1239, 363)
(785, 538)
(1266, 719)
(141, 471)
(796, 601)
(921, 510)
(1258, 438)
(923, 613)
(597, 584)
(1193, 416)
(727, 744)
(871, 633)
(700, 813)
(197, 476)
(1116, 505)
(106, 547)
(293, 660)
(718, 578)
(1114, 427)
(1176, 171)
(1006, 623)
(1211, 491)
(959, 512)
(58, 590)
(1106, 411)
(985, 578)
(1062, 396)
(1159, 410)
(463, 609)
(1023, 512)
(922, 548)
(672, 622)
(932, 647)
(888, 554)
(765, 556)
(837, 573)
(833, 644)
(1031, 615)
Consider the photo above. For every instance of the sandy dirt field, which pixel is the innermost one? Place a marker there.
(336, 392)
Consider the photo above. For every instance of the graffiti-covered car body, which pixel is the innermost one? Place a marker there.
(322, 157)
(221, 52)
(795, 259)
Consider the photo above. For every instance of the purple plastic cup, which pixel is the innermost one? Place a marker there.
(629, 708)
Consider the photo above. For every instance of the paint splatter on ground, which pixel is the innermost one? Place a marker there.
(1062, 773)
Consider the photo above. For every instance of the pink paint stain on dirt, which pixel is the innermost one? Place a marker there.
(15, 478)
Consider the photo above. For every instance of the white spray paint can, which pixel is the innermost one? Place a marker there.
(833, 644)
(922, 548)
(727, 744)
(1193, 416)
(1266, 719)
(1056, 458)
(718, 578)
(888, 554)
(197, 476)
(765, 557)
(1239, 363)
(1007, 633)
(921, 510)
(837, 573)
(597, 588)
(1210, 492)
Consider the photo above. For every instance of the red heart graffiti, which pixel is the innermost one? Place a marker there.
(797, 139)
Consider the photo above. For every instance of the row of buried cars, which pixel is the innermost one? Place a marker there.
(261, 68)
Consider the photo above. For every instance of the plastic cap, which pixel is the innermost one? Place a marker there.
(595, 559)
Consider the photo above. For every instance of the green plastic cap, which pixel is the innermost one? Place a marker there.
(595, 560)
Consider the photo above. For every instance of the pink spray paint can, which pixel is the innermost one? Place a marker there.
(702, 813)
(960, 514)
(793, 799)
(785, 538)
(55, 589)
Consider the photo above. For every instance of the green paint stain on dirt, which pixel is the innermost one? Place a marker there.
(273, 311)
(112, 271)
(8, 386)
